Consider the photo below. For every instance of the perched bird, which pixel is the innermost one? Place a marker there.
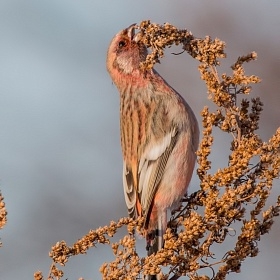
(159, 136)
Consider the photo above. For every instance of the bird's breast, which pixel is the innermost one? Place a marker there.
(136, 113)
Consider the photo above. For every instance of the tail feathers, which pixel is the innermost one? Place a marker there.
(154, 243)
(155, 240)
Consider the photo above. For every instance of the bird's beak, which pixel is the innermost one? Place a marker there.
(131, 31)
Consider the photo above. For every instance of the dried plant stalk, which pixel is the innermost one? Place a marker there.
(3, 213)
(231, 202)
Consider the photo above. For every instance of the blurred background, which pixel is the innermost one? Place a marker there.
(60, 157)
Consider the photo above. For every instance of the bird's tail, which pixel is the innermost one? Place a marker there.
(154, 243)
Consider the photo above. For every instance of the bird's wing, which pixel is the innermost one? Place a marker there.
(150, 171)
(151, 168)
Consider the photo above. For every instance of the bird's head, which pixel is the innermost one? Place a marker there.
(125, 53)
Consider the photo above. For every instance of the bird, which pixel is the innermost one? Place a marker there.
(159, 136)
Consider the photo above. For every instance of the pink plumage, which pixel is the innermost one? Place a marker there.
(159, 135)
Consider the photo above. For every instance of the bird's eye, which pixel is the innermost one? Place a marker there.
(122, 44)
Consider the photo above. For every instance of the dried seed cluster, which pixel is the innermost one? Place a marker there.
(60, 252)
(127, 264)
(157, 37)
(3, 213)
(232, 201)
